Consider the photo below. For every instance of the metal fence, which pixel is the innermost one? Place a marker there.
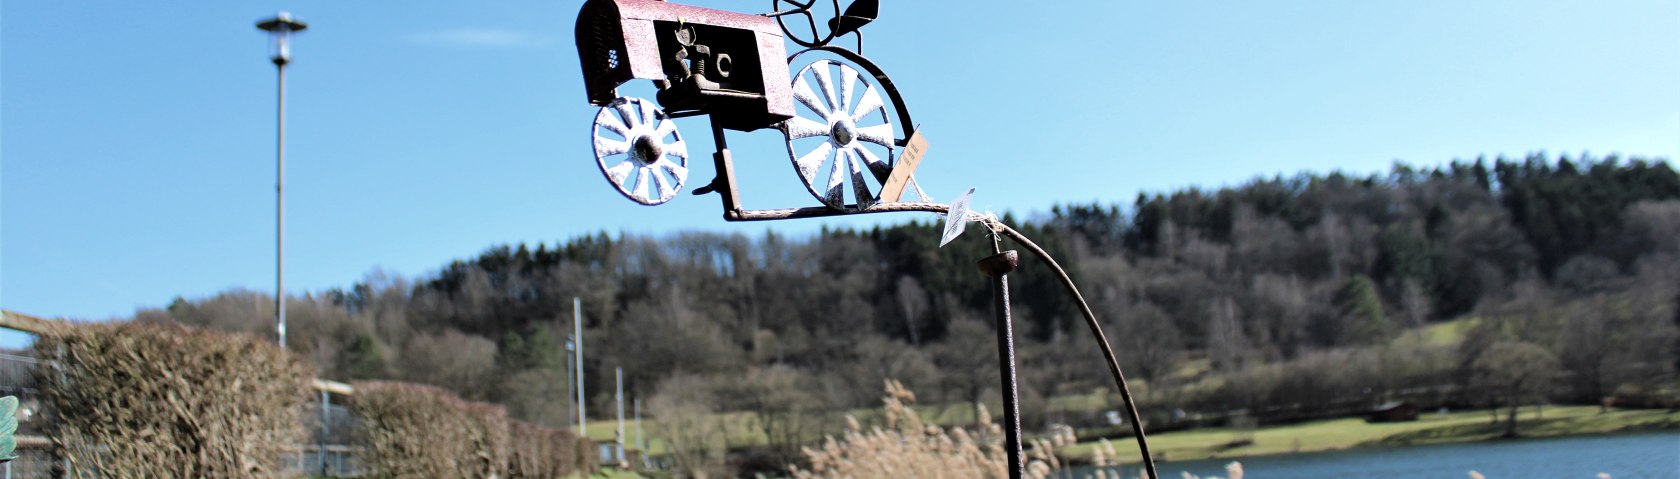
(329, 452)
(336, 461)
(34, 459)
(17, 375)
(34, 449)
(17, 378)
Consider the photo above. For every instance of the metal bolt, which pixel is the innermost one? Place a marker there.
(648, 150)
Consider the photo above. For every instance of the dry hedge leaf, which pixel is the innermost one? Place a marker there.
(417, 431)
(158, 400)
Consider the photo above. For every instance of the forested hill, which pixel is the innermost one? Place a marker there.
(1268, 272)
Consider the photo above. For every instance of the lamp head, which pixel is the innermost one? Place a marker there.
(281, 28)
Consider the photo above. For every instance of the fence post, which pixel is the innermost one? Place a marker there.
(321, 447)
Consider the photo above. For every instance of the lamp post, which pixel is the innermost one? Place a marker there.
(281, 28)
(577, 354)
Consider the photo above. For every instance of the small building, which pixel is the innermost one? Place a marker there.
(1394, 411)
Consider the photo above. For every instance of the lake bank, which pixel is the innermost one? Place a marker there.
(1622, 456)
(1354, 433)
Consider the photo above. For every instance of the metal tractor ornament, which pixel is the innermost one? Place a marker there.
(734, 69)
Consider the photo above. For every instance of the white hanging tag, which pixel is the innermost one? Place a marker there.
(957, 220)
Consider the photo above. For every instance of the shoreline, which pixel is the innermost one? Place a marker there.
(1347, 434)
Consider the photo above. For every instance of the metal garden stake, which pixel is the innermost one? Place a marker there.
(998, 267)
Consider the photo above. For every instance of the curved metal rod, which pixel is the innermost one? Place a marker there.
(1000, 228)
(804, 9)
(905, 124)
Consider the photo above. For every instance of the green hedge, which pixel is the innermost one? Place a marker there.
(156, 400)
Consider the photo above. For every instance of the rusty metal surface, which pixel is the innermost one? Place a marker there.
(623, 40)
(735, 76)
(998, 267)
(640, 151)
(670, 11)
(602, 44)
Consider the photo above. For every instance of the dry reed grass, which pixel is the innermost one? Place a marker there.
(909, 447)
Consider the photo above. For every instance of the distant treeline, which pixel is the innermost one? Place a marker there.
(1202, 291)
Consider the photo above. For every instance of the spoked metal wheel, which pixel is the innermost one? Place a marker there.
(842, 135)
(640, 151)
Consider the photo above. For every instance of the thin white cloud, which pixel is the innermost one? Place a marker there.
(480, 37)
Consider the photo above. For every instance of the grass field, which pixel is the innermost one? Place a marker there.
(1327, 435)
(1445, 333)
(1431, 428)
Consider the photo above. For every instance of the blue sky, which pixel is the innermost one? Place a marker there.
(136, 141)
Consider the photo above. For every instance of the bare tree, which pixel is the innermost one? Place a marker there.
(877, 359)
(536, 395)
(689, 422)
(1517, 373)
(967, 359)
(1227, 344)
(461, 362)
(1283, 306)
(912, 301)
(1415, 305)
(1262, 243)
(385, 305)
(1656, 224)
(1148, 343)
(1333, 236)
(781, 401)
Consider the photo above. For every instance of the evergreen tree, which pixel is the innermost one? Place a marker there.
(365, 358)
(1363, 321)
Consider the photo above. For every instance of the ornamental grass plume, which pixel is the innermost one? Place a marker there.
(1100, 461)
(909, 447)
(1234, 470)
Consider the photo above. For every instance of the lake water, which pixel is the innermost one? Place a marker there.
(1630, 456)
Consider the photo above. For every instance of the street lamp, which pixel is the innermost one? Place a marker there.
(280, 28)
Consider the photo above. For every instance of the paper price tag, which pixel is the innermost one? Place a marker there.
(893, 189)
